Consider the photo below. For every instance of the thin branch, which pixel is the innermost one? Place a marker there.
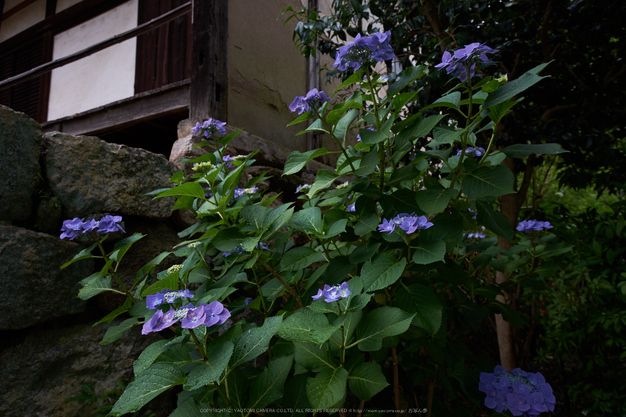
(287, 286)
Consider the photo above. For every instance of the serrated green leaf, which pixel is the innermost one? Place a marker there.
(491, 181)
(115, 333)
(383, 270)
(95, 286)
(327, 388)
(268, 386)
(513, 88)
(299, 258)
(228, 239)
(429, 252)
(148, 356)
(254, 215)
(153, 381)
(494, 221)
(253, 342)
(308, 220)
(366, 380)
(298, 160)
(422, 301)
(313, 356)
(434, 201)
(218, 354)
(83, 254)
(307, 326)
(380, 323)
(523, 151)
(191, 189)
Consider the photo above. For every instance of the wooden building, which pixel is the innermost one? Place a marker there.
(130, 70)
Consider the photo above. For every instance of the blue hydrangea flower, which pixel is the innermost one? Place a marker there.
(166, 296)
(374, 48)
(520, 392)
(241, 191)
(160, 321)
(387, 226)
(465, 59)
(334, 293)
(72, 228)
(351, 208)
(303, 188)
(247, 301)
(477, 151)
(475, 235)
(110, 224)
(313, 98)
(227, 160)
(411, 223)
(208, 127)
(528, 226)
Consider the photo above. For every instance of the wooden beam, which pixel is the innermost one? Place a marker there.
(64, 20)
(168, 99)
(19, 7)
(209, 60)
(141, 29)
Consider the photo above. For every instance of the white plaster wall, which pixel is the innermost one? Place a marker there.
(101, 78)
(64, 4)
(23, 19)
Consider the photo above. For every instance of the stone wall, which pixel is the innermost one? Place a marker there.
(47, 342)
(48, 347)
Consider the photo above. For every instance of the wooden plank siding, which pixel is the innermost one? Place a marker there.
(163, 54)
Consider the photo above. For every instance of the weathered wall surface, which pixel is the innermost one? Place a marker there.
(48, 347)
(265, 71)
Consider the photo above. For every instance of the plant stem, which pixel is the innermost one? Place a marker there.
(396, 381)
(279, 278)
(199, 344)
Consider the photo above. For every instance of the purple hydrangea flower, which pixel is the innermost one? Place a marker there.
(411, 223)
(227, 160)
(351, 208)
(247, 301)
(334, 293)
(241, 191)
(522, 393)
(529, 226)
(160, 321)
(110, 224)
(72, 228)
(238, 249)
(387, 226)
(208, 127)
(475, 235)
(313, 98)
(215, 313)
(303, 188)
(166, 296)
(477, 151)
(464, 60)
(364, 49)
(90, 225)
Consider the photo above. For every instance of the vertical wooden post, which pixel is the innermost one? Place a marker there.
(209, 63)
(313, 81)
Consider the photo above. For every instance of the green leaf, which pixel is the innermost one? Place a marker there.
(153, 381)
(429, 252)
(307, 326)
(523, 151)
(452, 100)
(308, 220)
(494, 221)
(305, 116)
(123, 245)
(299, 258)
(327, 388)
(169, 282)
(367, 222)
(297, 160)
(491, 181)
(513, 88)
(406, 77)
(188, 408)
(422, 301)
(370, 137)
(95, 286)
(313, 357)
(83, 254)
(382, 271)
(420, 128)
(228, 239)
(342, 126)
(218, 354)
(434, 201)
(115, 333)
(254, 215)
(192, 189)
(323, 180)
(148, 356)
(253, 342)
(357, 77)
(366, 380)
(268, 386)
(380, 323)
(149, 267)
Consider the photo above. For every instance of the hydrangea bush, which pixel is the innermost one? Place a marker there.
(399, 242)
